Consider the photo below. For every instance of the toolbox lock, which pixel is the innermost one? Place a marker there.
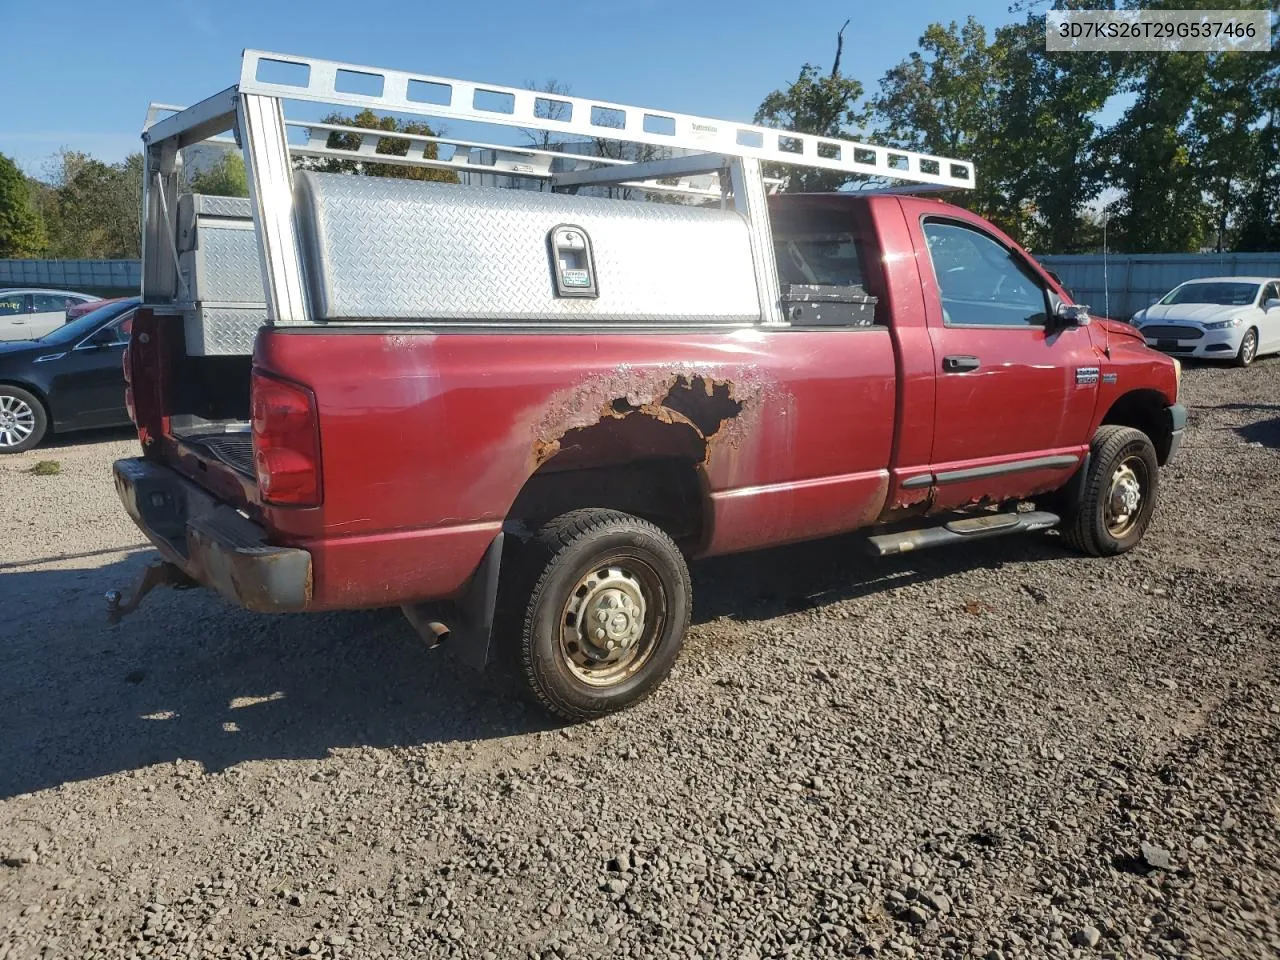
(572, 263)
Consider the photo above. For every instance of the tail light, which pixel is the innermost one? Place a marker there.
(286, 442)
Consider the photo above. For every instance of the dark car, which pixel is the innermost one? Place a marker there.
(70, 379)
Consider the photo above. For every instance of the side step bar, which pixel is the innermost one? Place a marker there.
(956, 531)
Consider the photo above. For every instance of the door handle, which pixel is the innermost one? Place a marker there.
(960, 364)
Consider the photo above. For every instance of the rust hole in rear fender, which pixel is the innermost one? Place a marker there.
(633, 413)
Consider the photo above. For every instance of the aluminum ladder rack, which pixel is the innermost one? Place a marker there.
(254, 110)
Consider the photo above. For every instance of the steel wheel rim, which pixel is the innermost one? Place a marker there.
(1250, 346)
(1126, 495)
(17, 421)
(611, 621)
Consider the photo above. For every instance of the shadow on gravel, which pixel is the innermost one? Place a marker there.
(81, 438)
(759, 586)
(190, 677)
(1265, 432)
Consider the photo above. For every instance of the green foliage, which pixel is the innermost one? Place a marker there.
(388, 146)
(227, 178)
(91, 209)
(1043, 154)
(46, 468)
(1162, 208)
(22, 232)
(816, 103)
(1195, 159)
(1259, 226)
(943, 99)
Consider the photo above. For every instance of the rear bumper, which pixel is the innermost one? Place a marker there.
(212, 542)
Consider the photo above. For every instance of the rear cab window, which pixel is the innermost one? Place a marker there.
(819, 257)
(825, 245)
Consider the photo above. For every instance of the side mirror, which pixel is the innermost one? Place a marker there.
(1271, 304)
(1071, 314)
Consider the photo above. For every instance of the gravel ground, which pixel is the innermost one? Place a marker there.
(997, 752)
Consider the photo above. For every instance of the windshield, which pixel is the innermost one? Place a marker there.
(81, 327)
(1225, 294)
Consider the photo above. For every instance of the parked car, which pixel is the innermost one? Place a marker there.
(77, 310)
(70, 379)
(465, 392)
(1216, 318)
(30, 314)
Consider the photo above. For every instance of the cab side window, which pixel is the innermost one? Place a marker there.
(982, 283)
(11, 305)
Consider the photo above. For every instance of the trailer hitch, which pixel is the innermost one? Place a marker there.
(155, 574)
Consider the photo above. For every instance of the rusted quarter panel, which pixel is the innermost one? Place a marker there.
(428, 438)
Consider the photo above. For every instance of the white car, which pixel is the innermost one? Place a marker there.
(30, 314)
(1215, 318)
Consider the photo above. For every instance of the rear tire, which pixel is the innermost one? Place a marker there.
(1118, 495)
(23, 421)
(606, 600)
(1248, 348)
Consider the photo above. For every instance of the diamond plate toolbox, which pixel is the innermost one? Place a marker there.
(219, 263)
(381, 249)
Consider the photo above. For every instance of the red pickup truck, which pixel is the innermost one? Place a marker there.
(529, 485)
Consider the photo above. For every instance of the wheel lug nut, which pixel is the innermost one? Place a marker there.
(599, 633)
(602, 616)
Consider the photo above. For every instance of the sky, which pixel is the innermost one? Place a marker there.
(78, 74)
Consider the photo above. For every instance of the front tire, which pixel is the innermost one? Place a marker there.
(1248, 348)
(23, 422)
(1119, 494)
(606, 613)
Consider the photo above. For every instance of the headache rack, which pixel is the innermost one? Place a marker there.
(688, 149)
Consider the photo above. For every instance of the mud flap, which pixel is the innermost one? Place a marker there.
(469, 627)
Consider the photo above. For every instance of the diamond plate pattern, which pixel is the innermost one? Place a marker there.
(237, 207)
(223, 331)
(227, 266)
(193, 205)
(397, 249)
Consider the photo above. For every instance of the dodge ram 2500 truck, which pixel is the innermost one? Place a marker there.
(516, 414)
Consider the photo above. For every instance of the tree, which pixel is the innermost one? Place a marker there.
(1046, 134)
(816, 103)
(1259, 228)
(943, 99)
(227, 178)
(387, 146)
(1149, 151)
(92, 210)
(1238, 143)
(21, 229)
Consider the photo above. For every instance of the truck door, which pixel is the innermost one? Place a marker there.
(1015, 391)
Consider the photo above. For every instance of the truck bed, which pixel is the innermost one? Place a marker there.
(233, 449)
